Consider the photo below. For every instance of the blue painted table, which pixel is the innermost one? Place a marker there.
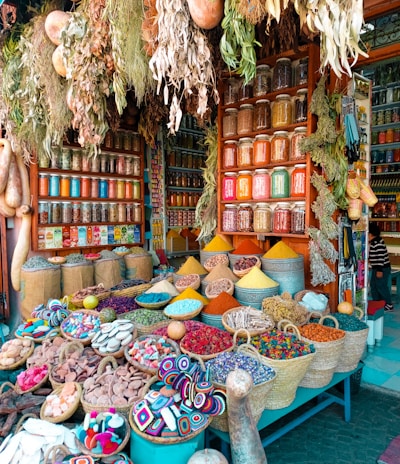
(303, 395)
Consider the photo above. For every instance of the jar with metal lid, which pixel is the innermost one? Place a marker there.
(229, 218)
(85, 186)
(280, 182)
(262, 218)
(229, 122)
(112, 164)
(136, 190)
(229, 154)
(280, 147)
(55, 212)
(54, 185)
(282, 113)
(55, 161)
(261, 184)
(244, 185)
(112, 188)
(262, 81)
(85, 163)
(231, 92)
(245, 152)
(66, 212)
(112, 212)
(245, 89)
(301, 106)
(65, 158)
(245, 119)
(121, 208)
(261, 150)
(43, 185)
(103, 188)
(295, 153)
(136, 165)
(127, 141)
(43, 160)
(129, 213)
(65, 186)
(76, 160)
(120, 189)
(262, 115)
(121, 164)
(76, 212)
(281, 219)
(245, 218)
(96, 212)
(94, 189)
(229, 186)
(282, 74)
(137, 212)
(301, 72)
(298, 217)
(136, 141)
(389, 136)
(382, 137)
(95, 164)
(129, 166)
(104, 163)
(298, 181)
(43, 208)
(86, 211)
(104, 212)
(128, 189)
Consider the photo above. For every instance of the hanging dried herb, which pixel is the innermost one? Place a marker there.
(153, 113)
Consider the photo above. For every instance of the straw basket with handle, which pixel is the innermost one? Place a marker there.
(14, 353)
(65, 353)
(72, 407)
(254, 321)
(299, 296)
(188, 281)
(85, 336)
(213, 261)
(209, 333)
(56, 453)
(328, 343)
(133, 291)
(101, 294)
(215, 287)
(245, 264)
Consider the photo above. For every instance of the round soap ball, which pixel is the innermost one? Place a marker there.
(176, 330)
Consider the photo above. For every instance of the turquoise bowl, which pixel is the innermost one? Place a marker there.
(212, 319)
(254, 296)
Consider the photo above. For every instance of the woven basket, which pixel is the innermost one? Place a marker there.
(213, 261)
(223, 285)
(56, 454)
(116, 354)
(83, 341)
(149, 329)
(243, 272)
(49, 335)
(36, 387)
(192, 281)
(289, 373)
(21, 361)
(204, 357)
(151, 370)
(353, 349)
(124, 442)
(156, 305)
(64, 352)
(69, 412)
(299, 296)
(78, 302)
(327, 355)
(186, 316)
(252, 332)
(131, 291)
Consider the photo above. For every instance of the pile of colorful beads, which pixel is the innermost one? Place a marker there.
(207, 341)
(180, 402)
(276, 344)
(149, 350)
(81, 325)
(227, 362)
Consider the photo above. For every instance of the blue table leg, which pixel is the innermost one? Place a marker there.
(347, 399)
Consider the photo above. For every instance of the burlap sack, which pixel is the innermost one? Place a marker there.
(74, 277)
(109, 272)
(37, 287)
(139, 266)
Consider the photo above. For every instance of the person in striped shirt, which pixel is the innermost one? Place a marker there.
(379, 264)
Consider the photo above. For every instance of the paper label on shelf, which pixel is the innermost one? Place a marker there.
(49, 238)
(89, 235)
(96, 235)
(136, 233)
(117, 234)
(110, 235)
(57, 237)
(131, 231)
(66, 237)
(73, 232)
(124, 234)
(41, 238)
(103, 235)
(82, 241)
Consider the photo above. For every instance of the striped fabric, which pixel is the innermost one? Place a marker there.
(378, 254)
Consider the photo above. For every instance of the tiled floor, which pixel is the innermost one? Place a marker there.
(382, 366)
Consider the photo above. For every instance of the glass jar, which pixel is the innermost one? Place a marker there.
(85, 186)
(244, 185)
(136, 166)
(136, 141)
(282, 111)
(43, 208)
(121, 207)
(390, 136)
(262, 218)
(76, 212)
(66, 212)
(261, 184)
(298, 181)
(136, 190)
(229, 218)
(55, 161)
(112, 164)
(129, 213)
(95, 164)
(65, 158)
(282, 219)
(262, 81)
(301, 72)
(231, 93)
(137, 212)
(43, 160)
(103, 188)
(65, 185)
(245, 218)
(104, 212)
(295, 152)
(104, 163)
(86, 210)
(298, 217)
(55, 212)
(43, 185)
(245, 89)
(94, 189)
(245, 152)
(280, 147)
(301, 106)
(229, 154)
(128, 189)
(85, 163)
(245, 119)
(262, 115)
(120, 189)
(229, 122)
(121, 164)
(75, 189)
(261, 150)
(112, 188)
(280, 182)
(382, 137)
(76, 160)
(96, 212)
(112, 212)
(54, 185)
(282, 74)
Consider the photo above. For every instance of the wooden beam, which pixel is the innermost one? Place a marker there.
(376, 8)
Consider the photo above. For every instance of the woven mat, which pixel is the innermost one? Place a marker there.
(392, 453)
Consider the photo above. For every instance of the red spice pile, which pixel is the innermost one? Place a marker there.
(221, 303)
(248, 247)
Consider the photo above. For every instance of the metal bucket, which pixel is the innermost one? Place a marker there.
(288, 272)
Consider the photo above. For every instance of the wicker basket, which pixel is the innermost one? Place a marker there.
(155, 305)
(49, 335)
(83, 341)
(124, 442)
(269, 323)
(204, 357)
(64, 352)
(78, 302)
(186, 316)
(21, 361)
(149, 329)
(148, 369)
(131, 291)
(242, 272)
(327, 355)
(69, 412)
(56, 454)
(213, 261)
(299, 296)
(192, 281)
(223, 285)
(35, 387)
(117, 354)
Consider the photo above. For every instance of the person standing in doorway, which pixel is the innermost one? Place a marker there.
(379, 263)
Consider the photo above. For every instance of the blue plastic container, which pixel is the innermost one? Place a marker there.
(288, 272)
(144, 451)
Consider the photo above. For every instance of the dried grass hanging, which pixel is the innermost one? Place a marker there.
(252, 10)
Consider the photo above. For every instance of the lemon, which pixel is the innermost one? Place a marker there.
(90, 302)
